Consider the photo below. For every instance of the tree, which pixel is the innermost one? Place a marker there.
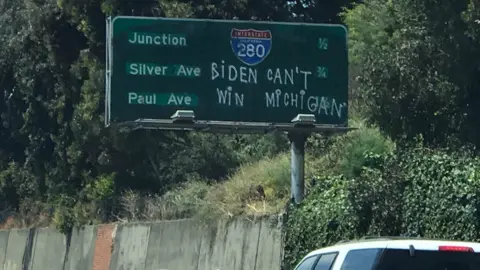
(416, 70)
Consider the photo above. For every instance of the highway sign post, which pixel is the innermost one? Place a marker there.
(227, 76)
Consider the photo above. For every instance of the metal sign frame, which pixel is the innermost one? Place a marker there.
(108, 70)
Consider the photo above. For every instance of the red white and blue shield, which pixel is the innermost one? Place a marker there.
(251, 46)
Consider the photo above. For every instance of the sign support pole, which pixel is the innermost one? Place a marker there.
(297, 165)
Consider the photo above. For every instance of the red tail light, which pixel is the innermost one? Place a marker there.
(455, 248)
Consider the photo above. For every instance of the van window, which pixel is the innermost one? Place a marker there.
(307, 264)
(361, 259)
(326, 261)
(400, 259)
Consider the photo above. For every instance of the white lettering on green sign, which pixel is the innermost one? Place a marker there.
(162, 99)
(157, 39)
(322, 72)
(287, 76)
(323, 43)
(315, 104)
(187, 71)
(233, 73)
(149, 69)
(146, 69)
(276, 99)
(142, 98)
(179, 100)
(225, 97)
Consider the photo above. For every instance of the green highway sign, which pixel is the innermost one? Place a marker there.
(230, 71)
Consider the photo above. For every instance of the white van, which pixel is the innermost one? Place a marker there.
(394, 254)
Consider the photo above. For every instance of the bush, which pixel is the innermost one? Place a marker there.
(341, 208)
(416, 192)
(345, 154)
(255, 189)
(323, 218)
(443, 196)
(181, 202)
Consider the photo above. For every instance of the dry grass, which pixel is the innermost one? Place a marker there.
(34, 217)
(254, 190)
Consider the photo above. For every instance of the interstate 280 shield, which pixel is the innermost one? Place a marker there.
(251, 46)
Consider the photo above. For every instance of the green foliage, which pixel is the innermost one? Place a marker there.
(442, 187)
(182, 201)
(351, 149)
(324, 217)
(412, 192)
(415, 74)
(239, 195)
(101, 189)
(345, 154)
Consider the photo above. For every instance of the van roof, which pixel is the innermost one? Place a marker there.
(394, 242)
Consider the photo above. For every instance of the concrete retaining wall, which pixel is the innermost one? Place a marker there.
(169, 245)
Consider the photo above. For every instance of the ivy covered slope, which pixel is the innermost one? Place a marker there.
(414, 192)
